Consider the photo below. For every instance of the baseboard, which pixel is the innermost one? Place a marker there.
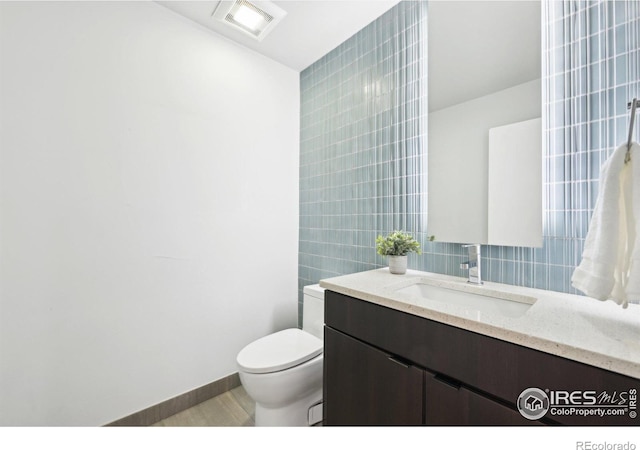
(168, 408)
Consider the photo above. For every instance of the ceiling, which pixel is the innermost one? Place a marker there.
(475, 47)
(310, 30)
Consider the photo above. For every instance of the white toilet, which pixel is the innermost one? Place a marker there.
(282, 372)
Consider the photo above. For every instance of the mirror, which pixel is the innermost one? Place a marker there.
(484, 73)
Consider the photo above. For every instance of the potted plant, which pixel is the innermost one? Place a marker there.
(396, 246)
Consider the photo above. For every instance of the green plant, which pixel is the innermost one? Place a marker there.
(397, 244)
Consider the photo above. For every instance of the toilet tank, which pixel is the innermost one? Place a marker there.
(313, 310)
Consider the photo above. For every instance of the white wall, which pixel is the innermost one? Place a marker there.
(149, 207)
(458, 159)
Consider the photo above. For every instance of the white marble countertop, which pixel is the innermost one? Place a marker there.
(583, 329)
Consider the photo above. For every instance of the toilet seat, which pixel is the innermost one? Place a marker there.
(279, 351)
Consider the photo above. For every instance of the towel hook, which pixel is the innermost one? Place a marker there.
(632, 106)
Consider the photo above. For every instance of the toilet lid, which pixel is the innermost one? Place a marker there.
(279, 351)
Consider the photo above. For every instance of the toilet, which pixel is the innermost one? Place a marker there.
(282, 372)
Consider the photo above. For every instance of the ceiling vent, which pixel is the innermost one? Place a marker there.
(256, 19)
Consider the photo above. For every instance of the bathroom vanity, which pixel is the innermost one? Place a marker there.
(395, 356)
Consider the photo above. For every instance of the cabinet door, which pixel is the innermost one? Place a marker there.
(366, 386)
(447, 403)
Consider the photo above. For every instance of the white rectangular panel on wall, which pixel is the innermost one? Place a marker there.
(515, 184)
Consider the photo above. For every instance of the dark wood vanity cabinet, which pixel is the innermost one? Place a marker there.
(387, 367)
(392, 397)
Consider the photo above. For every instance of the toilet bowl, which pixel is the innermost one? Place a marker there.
(282, 372)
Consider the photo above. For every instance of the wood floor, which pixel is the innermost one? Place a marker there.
(234, 408)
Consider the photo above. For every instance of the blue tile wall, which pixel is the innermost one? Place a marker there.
(363, 144)
(591, 70)
(363, 139)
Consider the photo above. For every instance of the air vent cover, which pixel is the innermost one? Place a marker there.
(255, 19)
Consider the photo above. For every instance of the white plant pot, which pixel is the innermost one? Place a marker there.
(397, 264)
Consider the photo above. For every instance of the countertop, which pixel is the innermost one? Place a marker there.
(601, 334)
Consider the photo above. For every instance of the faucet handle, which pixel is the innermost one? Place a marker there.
(468, 265)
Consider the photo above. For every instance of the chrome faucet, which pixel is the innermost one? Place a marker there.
(473, 264)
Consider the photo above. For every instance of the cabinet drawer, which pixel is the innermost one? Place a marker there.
(394, 331)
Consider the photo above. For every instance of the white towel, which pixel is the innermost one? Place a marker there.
(633, 229)
(610, 267)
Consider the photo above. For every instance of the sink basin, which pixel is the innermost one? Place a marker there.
(471, 298)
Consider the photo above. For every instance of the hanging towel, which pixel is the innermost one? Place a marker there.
(632, 206)
(610, 266)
